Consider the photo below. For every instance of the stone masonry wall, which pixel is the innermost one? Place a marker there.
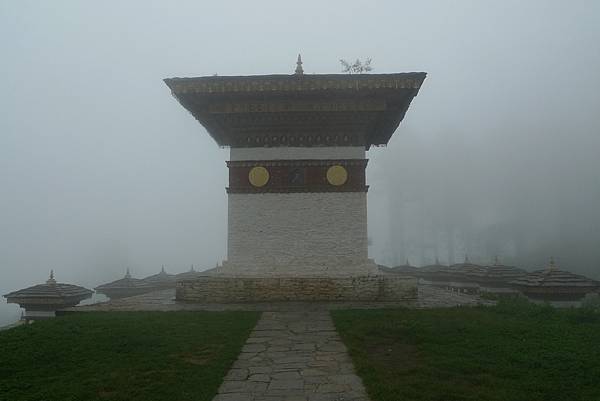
(223, 289)
(295, 230)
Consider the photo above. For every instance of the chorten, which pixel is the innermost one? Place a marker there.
(42, 300)
(554, 284)
(190, 274)
(499, 275)
(125, 287)
(297, 193)
(161, 280)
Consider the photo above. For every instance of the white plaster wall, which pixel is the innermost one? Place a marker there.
(298, 153)
(297, 233)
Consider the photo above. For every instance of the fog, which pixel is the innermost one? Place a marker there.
(102, 169)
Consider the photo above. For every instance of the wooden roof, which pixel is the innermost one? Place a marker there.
(190, 274)
(160, 278)
(502, 273)
(469, 269)
(50, 291)
(312, 110)
(555, 278)
(125, 282)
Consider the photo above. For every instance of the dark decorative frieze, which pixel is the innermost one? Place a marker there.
(281, 176)
(278, 107)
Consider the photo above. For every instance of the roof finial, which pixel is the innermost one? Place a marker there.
(162, 269)
(192, 268)
(127, 273)
(551, 265)
(51, 280)
(299, 70)
(407, 262)
(437, 261)
(496, 261)
(467, 258)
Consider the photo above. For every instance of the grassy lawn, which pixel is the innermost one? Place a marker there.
(513, 351)
(122, 356)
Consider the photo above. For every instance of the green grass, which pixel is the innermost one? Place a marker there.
(509, 352)
(118, 356)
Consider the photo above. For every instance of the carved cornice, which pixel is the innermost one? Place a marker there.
(295, 83)
(267, 110)
(298, 163)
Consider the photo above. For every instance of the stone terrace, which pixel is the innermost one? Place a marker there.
(294, 352)
(428, 297)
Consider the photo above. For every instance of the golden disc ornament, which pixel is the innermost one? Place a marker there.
(258, 176)
(337, 175)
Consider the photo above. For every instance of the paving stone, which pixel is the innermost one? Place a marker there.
(237, 374)
(331, 388)
(280, 341)
(328, 397)
(247, 355)
(254, 348)
(304, 347)
(296, 398)
(278, 348)
(289, 375)
(259, 369)
(349, 379)
(316, 379)
(313, 372)
(276, 384)
(241, 386)
(257, 340)
(234, 397)
(260, 377)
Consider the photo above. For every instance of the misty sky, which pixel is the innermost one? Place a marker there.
(101, 168)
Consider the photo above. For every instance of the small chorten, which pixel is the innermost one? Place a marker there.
(406, 268)
(498, 277)
(188, 275)
(43, 300)
(125, 287)
(554, 284)
(435, 267)
(468, 270)
(160, 281)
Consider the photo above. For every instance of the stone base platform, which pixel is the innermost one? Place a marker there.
(241, 289)
(164, 301)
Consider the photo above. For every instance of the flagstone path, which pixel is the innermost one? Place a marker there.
(293, 356)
